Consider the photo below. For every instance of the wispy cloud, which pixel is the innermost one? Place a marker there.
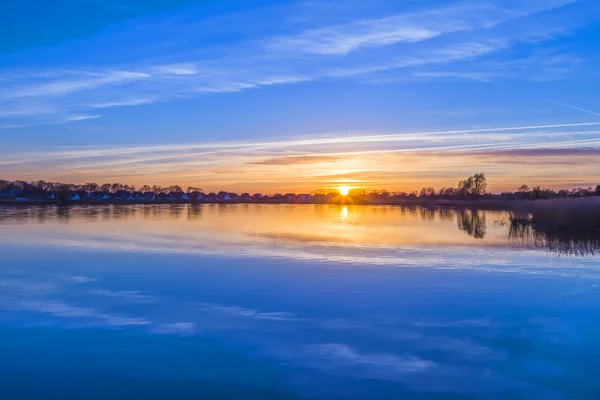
(175, 69)
(370, 159)
(59, 87)
(81, 117)
(416, 27)
(122, 103)
(476, 76)
(293, 160)
(403, 38)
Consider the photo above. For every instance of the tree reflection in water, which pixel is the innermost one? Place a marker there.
(472, 222)
(557, 241)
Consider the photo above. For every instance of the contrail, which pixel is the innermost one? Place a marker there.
(575, 108)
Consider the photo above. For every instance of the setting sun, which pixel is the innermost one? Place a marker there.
(344, 190)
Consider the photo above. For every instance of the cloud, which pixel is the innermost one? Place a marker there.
(384, 39)
(61, 120)
(549, 156)
(544, 152)
(367, 158)
(86, 81)
(81, 117)
(175, 69)
(293, 160)
(476, 76)
(409, 27)
(122, 103)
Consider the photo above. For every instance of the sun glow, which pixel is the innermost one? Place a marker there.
(344, 190)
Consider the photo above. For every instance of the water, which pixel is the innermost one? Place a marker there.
(290, 302)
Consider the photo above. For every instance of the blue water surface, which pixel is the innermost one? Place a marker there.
(168, 305)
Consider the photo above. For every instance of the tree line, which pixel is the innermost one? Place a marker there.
(39, 187)
(537, 193)
(473, 187)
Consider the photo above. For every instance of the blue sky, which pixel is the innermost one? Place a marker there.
(270, 95)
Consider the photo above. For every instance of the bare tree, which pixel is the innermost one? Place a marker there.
(524, 189)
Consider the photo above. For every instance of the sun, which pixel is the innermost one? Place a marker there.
(344, 190)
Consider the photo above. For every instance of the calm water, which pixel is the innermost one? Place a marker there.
(290, 302)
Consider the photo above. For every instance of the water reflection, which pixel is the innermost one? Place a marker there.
(367, 227)
(472, 222)
(571, 243)
(290, 302)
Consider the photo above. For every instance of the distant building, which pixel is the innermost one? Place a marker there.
(149, 196)
(223, 196)
(176, 196)
(303, 198)
(211, 197)
(291, 197)
(201, 197)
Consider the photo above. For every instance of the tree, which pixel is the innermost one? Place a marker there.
(174, 188)
(464, 187)
(479, 185)
(523, 189)
(448, 192)
(427, 192)
(597, 190)
(192, 189)
(90, 187)
(474, 186)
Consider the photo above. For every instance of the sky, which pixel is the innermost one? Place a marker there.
(297, 95)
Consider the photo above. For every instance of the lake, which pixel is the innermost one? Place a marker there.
(291, 302)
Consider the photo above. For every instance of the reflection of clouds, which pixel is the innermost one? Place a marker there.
(339, 358)
(378, 236)
(290, 237)
(423, 347)
(83, 279)
(223, 317)
(25, 286)
(131, 295)
(304, 250)
(63, 310)
(433, 355)
(371, 330)
(176, 328)
(467, 323)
